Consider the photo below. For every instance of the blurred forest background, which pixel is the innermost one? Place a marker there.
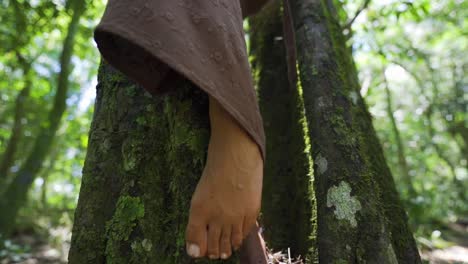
(411, 55)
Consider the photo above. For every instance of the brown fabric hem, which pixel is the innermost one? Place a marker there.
(158, 65)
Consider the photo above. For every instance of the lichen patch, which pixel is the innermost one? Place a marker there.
(345, 205)
(392, 258)
(353, 95)
(322, 164)
(146, 244)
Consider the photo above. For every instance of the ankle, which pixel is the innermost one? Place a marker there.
(227, 133)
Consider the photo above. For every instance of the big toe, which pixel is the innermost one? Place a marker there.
(196, 238)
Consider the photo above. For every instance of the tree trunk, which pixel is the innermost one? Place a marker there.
(16, 194)
(8, 157)
(431, 130)
(288, 202)
(404, 168)
(144, 159)
(360, 217)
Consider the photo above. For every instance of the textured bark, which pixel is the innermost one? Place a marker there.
(288, 204)
(145, 156)
(360, 217)
(16, 193)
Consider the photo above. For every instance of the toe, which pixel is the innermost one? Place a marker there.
(214, 236)
(225, 242)
(236, 236)
(196, 238)
(249, 223)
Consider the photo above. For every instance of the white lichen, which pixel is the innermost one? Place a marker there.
(146, 244)
(353, 95)
(323, 102)
(392, 258)
(134, 245)
(129, 154)
(345, 205)
(322, 163)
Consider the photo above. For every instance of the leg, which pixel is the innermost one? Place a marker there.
(227, 199)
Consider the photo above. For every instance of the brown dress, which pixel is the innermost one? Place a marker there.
(156, 41)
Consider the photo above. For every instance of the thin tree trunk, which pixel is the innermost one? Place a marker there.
(288, 204)
(360, 217)
(404, 169)
(8, 157)
(431, 131)
(144, 159)
(16, 193)
(45, 177)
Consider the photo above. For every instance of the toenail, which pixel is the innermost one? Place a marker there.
(224, 256)
(193, 250)
(212, 257)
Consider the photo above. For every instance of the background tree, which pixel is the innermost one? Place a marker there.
(287, 189)
(417, 45)
(359, 214)
(16, 193)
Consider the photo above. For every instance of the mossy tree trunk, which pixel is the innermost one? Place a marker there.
(144, 158)
(288, 204)
(360, 217)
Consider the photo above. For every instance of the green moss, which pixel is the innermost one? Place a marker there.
(131, 90)
(340, 261)
(131, 153)
(128, 211)
(141, 120)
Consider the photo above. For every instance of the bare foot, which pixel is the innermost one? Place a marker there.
(227, 199)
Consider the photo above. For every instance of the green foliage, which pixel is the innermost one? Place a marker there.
(414, 49)
(31, 42)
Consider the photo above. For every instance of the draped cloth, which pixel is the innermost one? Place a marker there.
(154, 42)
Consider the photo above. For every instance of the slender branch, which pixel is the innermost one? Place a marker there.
(430, 127)
(358, 12)
(404, 168)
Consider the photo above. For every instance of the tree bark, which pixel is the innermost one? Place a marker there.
(360, 217)
(16, 193)
(288, 204)
(144, 159)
